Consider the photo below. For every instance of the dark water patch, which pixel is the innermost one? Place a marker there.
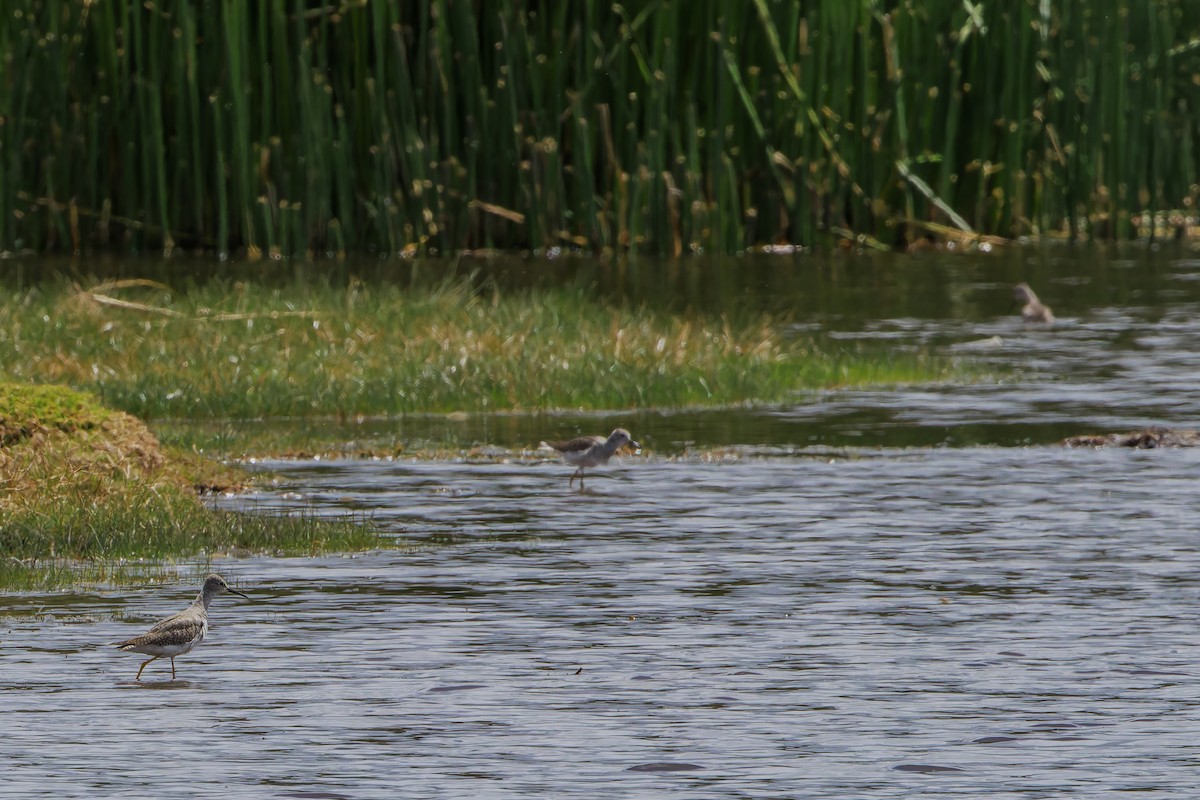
(843, 290)
(666, 766)
(925, 769)
(151, 683)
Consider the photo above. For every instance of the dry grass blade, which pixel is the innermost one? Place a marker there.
(241, 317)
(129, 305)
(129, 283)
(490, 208)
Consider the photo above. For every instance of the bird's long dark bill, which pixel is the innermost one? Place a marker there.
(239, 594)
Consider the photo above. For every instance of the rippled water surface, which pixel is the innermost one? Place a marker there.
(905, 618)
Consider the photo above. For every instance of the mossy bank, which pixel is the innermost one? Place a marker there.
(88, 494)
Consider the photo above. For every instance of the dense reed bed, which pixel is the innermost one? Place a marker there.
(311, 348)
(286, 128)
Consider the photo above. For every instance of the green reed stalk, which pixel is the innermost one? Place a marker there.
(664, 126)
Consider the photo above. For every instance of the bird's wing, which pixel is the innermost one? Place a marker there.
(577, 445)
(176, 630)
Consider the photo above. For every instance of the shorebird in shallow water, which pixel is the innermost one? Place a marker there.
(591, 451)
(177, 635)
(1033, 310)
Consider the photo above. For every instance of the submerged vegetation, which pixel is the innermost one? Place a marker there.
(248, 350)
(87, 493)
(283, 128)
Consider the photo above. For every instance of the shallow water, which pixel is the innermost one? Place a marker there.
(998, 622)
(840, 600)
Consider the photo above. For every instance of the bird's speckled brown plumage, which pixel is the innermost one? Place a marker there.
(178, 634)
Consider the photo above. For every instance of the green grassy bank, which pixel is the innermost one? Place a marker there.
(248, 350)
(286, 127)
(87, 494)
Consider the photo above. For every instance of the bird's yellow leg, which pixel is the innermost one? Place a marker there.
(143, 666)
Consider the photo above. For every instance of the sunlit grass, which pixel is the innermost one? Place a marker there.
(87, 492)
(66, 539)
(247, 350)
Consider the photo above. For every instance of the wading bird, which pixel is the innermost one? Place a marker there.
(591, 451)
(177, 635)
(1033, 310)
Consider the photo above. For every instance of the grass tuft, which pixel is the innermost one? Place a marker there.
(88, 491)
(304, 349)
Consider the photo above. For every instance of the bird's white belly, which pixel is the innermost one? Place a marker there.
(175, 649)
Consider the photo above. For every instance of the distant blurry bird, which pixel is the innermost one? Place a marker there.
(1033, 310)
(177, 635)
(591, 451)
